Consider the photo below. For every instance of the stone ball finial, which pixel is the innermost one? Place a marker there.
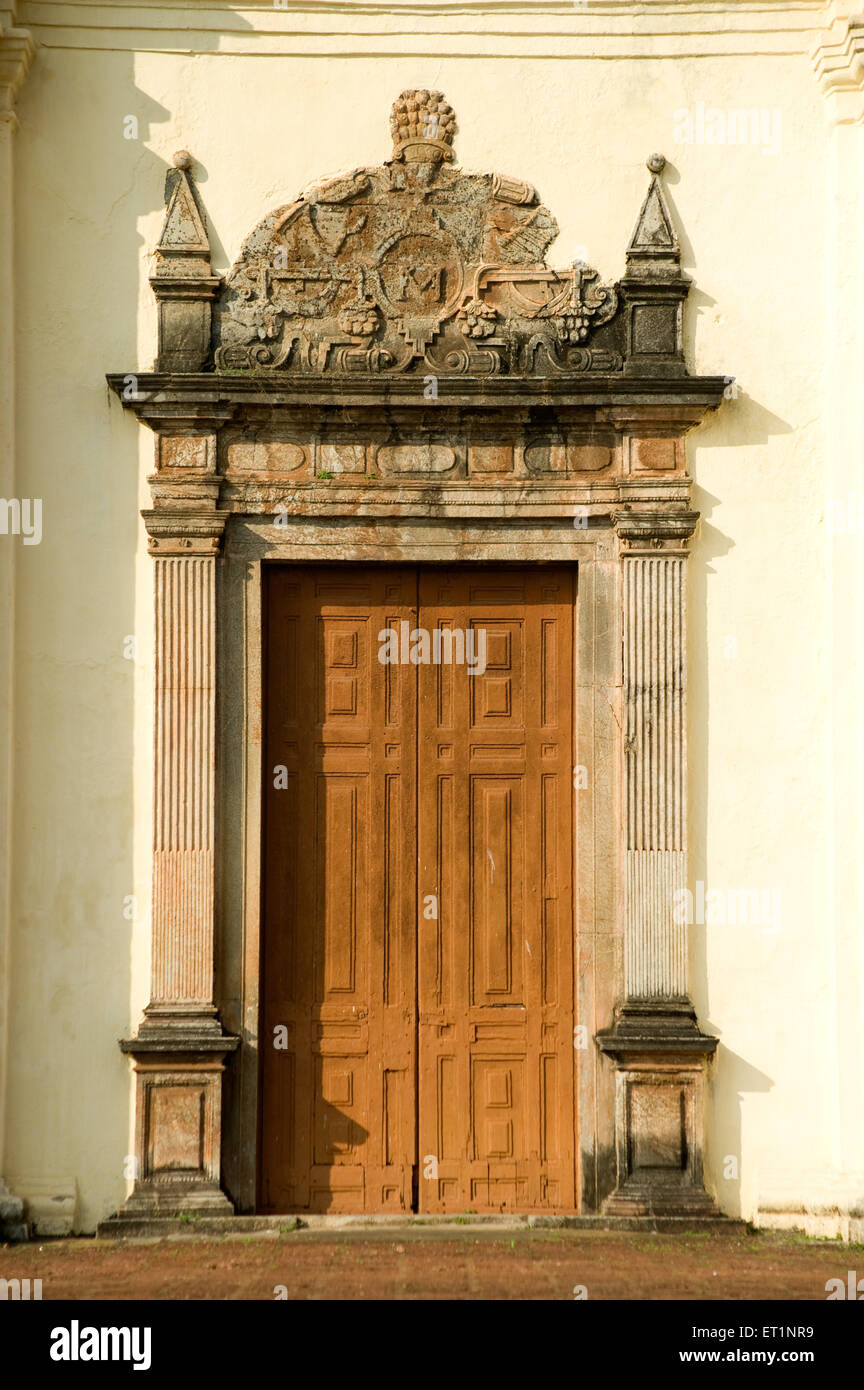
(182, 160)
(656, 163)
(422, 125)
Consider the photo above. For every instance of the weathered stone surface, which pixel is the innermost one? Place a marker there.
(182, 279)
(178, 1118)
(658, 1048)
(13, 1226)
(412, 267)
(264, 456)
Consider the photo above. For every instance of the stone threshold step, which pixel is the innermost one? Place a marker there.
(167, 1227)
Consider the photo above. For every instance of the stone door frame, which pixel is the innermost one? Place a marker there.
(555, 454)
(642, 1054)
(598, 704)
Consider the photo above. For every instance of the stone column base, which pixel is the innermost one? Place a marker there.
(178, 1107)
(13, 1227)
(660, 1059)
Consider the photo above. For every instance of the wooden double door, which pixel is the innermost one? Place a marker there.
(417, 1031)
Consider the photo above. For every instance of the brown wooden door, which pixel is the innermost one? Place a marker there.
(496, 966)
(418, 944)
(338, 1093)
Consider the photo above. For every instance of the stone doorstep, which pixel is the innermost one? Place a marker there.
(169, 1228)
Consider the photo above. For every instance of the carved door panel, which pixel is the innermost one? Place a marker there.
(417, 856)
(338, 1011)
(495, 953)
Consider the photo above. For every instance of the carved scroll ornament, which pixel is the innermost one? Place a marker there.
(411, 266)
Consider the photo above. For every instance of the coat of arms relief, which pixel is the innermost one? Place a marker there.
(412, 266)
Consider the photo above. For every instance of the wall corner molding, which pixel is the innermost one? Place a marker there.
(838, 62)
(17, 51)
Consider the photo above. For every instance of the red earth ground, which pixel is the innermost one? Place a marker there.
(452, 1263)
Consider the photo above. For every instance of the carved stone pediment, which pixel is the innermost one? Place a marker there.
(413, 266)
(411, 270)
(401, 320)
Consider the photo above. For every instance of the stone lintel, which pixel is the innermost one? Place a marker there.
(161, 396)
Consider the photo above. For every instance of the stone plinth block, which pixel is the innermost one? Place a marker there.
(660, 1061)
(178, 1124)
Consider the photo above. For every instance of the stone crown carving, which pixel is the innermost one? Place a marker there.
(411, 266)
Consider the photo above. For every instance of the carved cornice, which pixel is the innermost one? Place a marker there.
(206, 400)
(17, 51)
(646, 532)
(838, 61)
(662, 29)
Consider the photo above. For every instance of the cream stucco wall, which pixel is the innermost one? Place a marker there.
(267, 100)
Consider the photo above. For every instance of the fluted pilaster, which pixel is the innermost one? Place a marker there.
(182, 952)
(655, 1041)
(180, 1048)
(655, 965)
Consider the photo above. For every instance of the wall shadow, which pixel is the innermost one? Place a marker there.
(730, 1078)
(78, 908)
